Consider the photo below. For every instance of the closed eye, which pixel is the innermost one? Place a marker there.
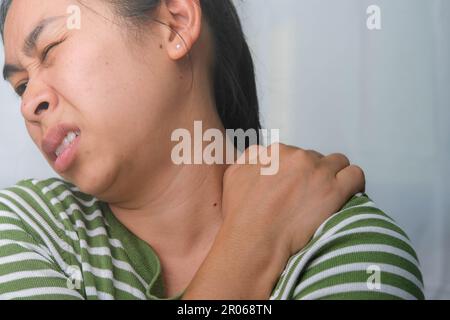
(47, 50)
(20, 90)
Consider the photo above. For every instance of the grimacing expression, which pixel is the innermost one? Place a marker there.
(120, 94)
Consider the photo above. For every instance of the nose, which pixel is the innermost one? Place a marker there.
(38, 101)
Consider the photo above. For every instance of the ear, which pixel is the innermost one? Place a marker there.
(185, 20)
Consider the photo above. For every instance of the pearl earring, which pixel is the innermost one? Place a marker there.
(178, 46)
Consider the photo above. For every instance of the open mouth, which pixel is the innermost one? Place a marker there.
(67, 142)
(60, 145)
(66, 152)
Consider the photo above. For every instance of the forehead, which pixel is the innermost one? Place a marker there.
(23, 16)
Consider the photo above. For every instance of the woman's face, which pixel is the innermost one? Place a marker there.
(122, 94)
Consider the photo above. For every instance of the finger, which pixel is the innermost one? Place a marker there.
(351, 181)
(335, 162)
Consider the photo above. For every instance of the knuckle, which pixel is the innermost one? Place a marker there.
(359, 172)
(301, 155)
(343, 158)
(303, 160)
(292, 149)
(291, 153)
(315, 154)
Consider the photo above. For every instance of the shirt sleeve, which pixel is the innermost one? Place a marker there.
(359, 253)
(28, 270)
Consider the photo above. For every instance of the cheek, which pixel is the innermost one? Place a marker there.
(82, 74)
(100, 81)
(111, 92)
(89, 85)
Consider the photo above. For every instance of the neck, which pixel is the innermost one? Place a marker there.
(177, 209)
(186, 214)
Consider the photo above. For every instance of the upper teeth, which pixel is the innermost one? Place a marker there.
(71, 136)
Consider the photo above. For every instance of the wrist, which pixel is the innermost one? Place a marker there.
(237, 268)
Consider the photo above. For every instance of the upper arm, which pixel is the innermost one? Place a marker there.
(360, 254)
(27, 268)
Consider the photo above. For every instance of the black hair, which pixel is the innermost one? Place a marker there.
(234, 76)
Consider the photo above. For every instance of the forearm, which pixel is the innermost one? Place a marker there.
(237, 270)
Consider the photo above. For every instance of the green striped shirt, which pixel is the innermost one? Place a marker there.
(59, 243)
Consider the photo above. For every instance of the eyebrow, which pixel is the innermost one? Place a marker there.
(29, 45)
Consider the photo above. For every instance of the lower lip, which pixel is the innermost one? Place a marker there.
(66, 159)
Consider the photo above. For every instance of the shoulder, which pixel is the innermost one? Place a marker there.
(32, 190)
(44, 196)
(48, 209)
(359, 252)
(36, 251)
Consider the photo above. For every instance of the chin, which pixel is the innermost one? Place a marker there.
(93, 182)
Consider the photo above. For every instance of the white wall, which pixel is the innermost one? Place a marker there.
(381, 97)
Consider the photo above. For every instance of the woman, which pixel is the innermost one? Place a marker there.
(113, 77)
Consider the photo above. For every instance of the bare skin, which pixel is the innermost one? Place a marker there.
(104, 81)
(120, 166)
